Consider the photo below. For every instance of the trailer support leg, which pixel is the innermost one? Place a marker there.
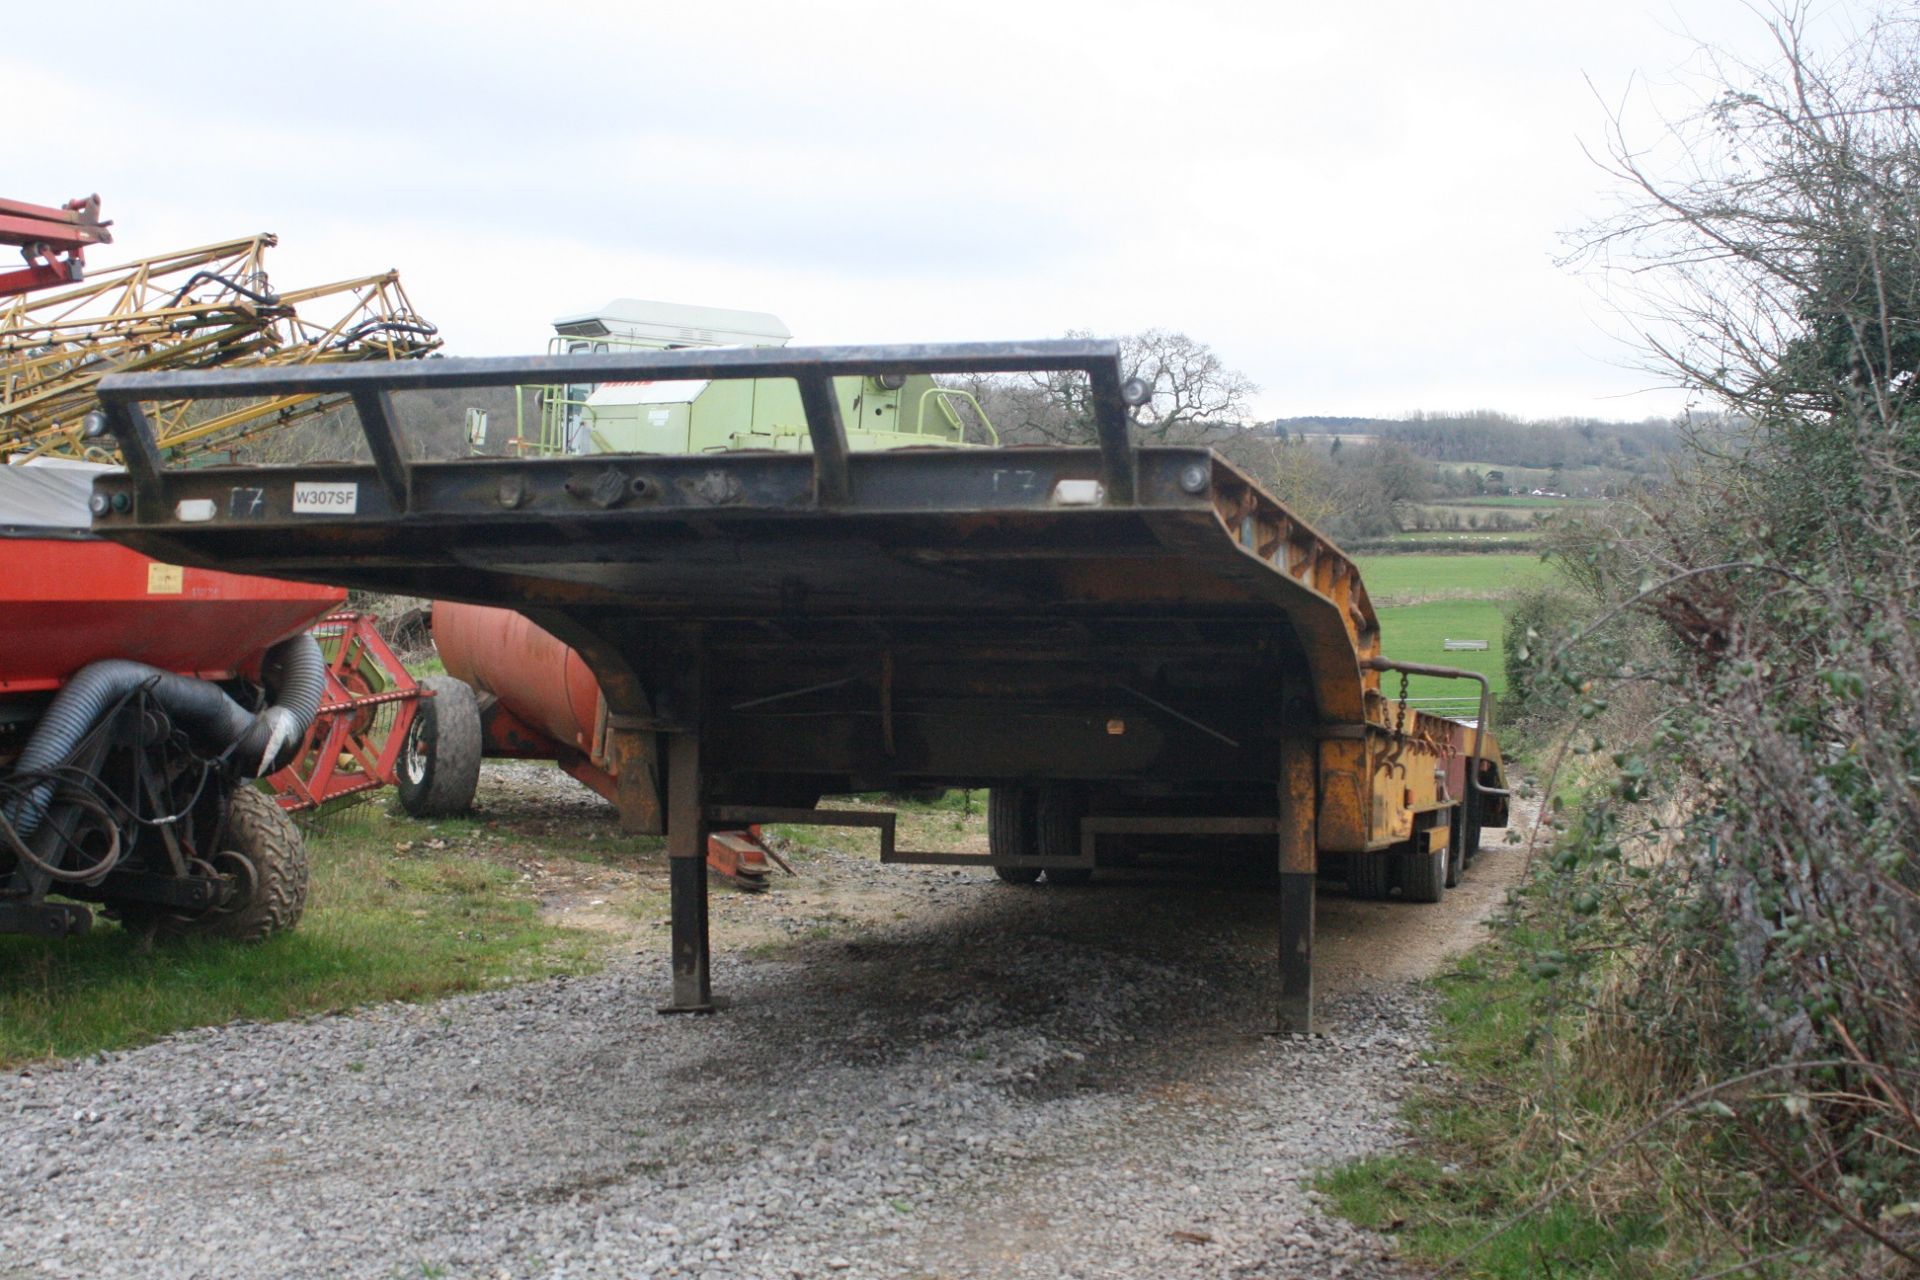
(687, 870)
(1298, 867)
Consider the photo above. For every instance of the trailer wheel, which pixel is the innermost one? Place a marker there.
(1456, 845)
(1423, 875)
(1010, 814)
(440, 764)
(267, 859)
(1470, 829)
(1057, 831)
(1369, 875)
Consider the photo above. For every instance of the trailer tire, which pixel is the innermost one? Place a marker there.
(1369, 875)
(1423, 874)
(1456, 845)
(260, 831)
(439, 768)
(1470, 829)
(1010, 813)
(1056, 824)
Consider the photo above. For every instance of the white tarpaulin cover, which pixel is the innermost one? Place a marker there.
(47, 493)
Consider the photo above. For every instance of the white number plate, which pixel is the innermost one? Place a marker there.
(325, 499)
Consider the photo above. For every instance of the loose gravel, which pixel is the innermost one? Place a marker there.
(991, 1081)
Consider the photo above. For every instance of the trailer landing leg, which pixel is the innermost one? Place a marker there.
(1298, 864)
(687, 883)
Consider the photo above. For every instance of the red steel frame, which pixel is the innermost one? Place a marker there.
(53, 241)
(348, 712)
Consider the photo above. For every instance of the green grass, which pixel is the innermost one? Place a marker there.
(1413, 633)
(380, 925)
(1448, 1210)
(1425, 599)
(954, 801)
(1395, 579)
(1460, 1196)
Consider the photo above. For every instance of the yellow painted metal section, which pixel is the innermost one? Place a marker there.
(190, 309)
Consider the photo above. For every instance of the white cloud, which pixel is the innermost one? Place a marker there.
(1359, 207)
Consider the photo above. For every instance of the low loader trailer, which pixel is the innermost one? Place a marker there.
(1124, 644)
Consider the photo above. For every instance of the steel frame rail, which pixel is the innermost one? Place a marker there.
(813, 368)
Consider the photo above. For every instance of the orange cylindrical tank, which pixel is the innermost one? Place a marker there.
(537, 678)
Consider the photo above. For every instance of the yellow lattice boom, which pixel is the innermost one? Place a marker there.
(192, 309)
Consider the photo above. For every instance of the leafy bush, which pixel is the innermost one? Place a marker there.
(1740, 899)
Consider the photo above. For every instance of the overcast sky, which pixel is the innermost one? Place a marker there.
(1359, 205)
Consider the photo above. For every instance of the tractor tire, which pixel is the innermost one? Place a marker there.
(1056, 831)
(1369, 875)
(1010, 833)
(260, 831)
(440, 764)
(1423, 876)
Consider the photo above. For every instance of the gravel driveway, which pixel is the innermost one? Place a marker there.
(966, 1079)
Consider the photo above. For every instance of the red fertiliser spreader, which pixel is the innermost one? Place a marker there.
(138, 701)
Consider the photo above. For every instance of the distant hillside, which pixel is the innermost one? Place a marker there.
(1496, 439)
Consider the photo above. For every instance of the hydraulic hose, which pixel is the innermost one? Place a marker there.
(295, 675)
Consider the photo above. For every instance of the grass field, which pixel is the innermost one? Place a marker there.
(1466, 1198)
(1424, 600)
(398, 910)
(1401, 579)
(1414, 633)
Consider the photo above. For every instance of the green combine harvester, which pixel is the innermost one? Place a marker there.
(890, 411)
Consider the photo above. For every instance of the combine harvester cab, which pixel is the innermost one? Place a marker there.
(1123, 643)
(705, 415)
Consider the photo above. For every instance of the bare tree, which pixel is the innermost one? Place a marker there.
(1196, 397)
(1299, 474)
(1763, 238)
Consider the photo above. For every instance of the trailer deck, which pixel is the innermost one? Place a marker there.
(1144, 625)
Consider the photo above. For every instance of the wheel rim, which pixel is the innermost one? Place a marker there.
(413, 755)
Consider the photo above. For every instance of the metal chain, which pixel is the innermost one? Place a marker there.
(1400, 712)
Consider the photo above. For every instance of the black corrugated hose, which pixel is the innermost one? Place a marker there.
(295, 675)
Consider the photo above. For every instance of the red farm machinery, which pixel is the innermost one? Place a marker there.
(141, 699)
(139, 702)
(52, 241)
